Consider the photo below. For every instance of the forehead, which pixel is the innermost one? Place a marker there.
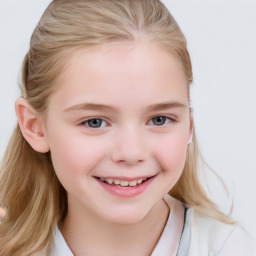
(136, 69)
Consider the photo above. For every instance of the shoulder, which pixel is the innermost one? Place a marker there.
(212, 237)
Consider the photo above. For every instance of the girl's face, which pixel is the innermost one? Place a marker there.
(118, 129)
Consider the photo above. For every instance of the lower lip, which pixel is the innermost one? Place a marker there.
(126, 192)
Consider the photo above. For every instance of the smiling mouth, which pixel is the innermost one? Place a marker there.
(123, 183)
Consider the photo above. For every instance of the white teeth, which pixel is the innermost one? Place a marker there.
(123, 183)
(109, 181)
(139, 181)
(117, 182)
(132, 183)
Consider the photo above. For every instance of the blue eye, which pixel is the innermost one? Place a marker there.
(160, 120)
(95, 123)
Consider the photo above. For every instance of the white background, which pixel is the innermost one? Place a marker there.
(221, 38)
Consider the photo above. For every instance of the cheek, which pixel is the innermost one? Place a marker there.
(74, 155)
(171, 153)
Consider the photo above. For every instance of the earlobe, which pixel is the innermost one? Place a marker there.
(31, 126)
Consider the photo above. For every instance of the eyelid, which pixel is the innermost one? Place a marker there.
(84, 121)
(171, 118)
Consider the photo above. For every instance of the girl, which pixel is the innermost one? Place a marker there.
(104, 159)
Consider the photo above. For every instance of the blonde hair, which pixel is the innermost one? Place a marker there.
(29, 188)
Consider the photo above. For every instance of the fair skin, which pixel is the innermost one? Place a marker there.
(120, 115)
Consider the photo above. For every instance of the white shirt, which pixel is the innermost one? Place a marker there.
(201, 236)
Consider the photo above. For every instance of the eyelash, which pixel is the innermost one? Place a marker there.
(165, 119)
(99, 121)
(86, 122)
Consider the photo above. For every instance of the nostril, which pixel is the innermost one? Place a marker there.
(128, 161)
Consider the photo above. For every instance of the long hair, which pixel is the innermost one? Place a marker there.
(29, 188)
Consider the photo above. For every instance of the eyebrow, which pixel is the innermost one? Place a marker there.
(165, 105)
(91, 106)
(109, 108)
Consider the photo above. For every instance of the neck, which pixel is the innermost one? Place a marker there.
(88, 234)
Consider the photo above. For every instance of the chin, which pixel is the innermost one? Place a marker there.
(126, 217)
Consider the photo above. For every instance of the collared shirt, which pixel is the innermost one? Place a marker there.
(196, 235)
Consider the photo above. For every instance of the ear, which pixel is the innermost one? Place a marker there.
(31, 126)
(191, 128)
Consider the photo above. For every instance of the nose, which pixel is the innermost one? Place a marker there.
(130, 147)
